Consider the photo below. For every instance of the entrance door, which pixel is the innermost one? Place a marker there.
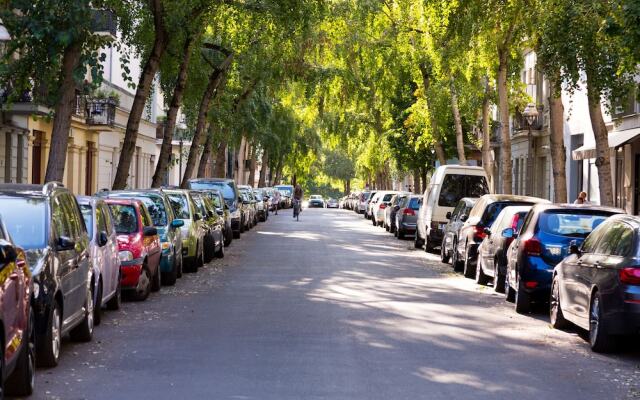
(36, 156)
(91, 151)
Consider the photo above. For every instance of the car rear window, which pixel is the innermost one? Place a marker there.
(226, 189)
(414, 203)
(456, 186)
(124, 218)
(493, 210)
(570, 223)
(154, 203)
(25, 220)
(387, 197)
(179, 205)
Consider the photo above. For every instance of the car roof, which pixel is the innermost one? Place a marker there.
(492, 198)
(593, 207)
(124, 202)
(91, 200)
(632, 220)
(225, 180)
(21, 189)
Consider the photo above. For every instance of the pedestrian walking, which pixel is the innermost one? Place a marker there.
(276, 200)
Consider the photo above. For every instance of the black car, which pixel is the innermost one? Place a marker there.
(213, 223)
(492, 252)
(231, 197)
(544, 240)
(597, 287)
(450, 232)
(223, 210)
(47, 223)
(482, 215)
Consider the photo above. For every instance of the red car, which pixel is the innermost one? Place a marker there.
(138, 245)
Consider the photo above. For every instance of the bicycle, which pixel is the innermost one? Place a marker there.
(296, 210)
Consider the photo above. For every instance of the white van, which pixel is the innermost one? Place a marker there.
(448, 185)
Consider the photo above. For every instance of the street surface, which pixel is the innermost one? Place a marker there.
(332, 308)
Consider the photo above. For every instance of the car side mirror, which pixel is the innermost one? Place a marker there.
(448, 216)
(65, 243)
(220, 211)
(574, 248)
(102, 239)
(197, 217)
(487, 231)
(508, 233)
(177, 223)
(464, 218)
(8, 253)
(149, 231)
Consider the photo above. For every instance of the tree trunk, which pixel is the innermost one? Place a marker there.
(556, 137)
(252, 166)
(172, 114)
(278, 177)
(486, 135)
(416, 181)
(206, 154)
(147, 76)
(503, 107)
(603, 160)
(214, 82)
(462, 159)
(423, 177)
(426, 83)
(263, 171)
(221, 161)
(62, 119)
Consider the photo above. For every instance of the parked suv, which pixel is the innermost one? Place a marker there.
(231, 197)
(47, 223)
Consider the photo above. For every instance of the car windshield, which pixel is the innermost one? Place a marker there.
(87, 214)
(455, 187)
(225, 188)
(124, 218)
(154, 204)
(25, 220)
(315, 197)
(570, 223)
(179, 204)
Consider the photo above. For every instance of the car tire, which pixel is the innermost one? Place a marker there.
(481, 277)
(417, 242)
(374, 222)
(400, 234)
(97, 309)
(522, 300)
(156, 283)
(228, 237)
(599, 338)
(209, 249)
(220, 252)
(444, 255)
(141, 293)
(115, 302)
(236, 234)
(241, 227)
(386, 227)
(468, 270)
(509, 292)
(48, 354)
(455, 258)
(498, 278)
(556, 316)
(170, 278)
(84, 331)
(22, 380)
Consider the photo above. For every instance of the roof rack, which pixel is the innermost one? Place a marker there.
(50, 186)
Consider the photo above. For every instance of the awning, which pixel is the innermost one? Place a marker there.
(616, 139)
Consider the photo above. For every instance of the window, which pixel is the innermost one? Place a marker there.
(456, 211)
(226, 189)
(76, 223)
(414, 203)
(101, 222)
(25, 221)
(569, 223)
(60, 223)
(616, 240)
(179, 205)
(146, 218)
(108, 220)
(155, 205)
(455, 187)
(125, 218)
(87, 214)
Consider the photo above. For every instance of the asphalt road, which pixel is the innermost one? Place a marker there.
(331, 308)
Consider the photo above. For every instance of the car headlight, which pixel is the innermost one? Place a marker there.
(165, 245)
(125, 255)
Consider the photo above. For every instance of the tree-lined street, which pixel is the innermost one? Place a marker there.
(330, 307)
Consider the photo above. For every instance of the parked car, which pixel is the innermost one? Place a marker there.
(193, 230)
(213, 224)
(482, 215)
(248, 210)
(262, 204)
(168, 226)
(316, 201)
(382, 201)
(451, 231)
(286, 192)
(138, 245)
(406, 216)
(492, 252)
(373, 198)
(389, 222)
(16, 318)
(448, 185)
(103, 252)
(222, 210)
(543, 241)
(46, 222)
(597, 287)
(360, 205)
(332, 203)
(231, 197)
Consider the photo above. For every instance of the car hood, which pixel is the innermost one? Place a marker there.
(36, 259)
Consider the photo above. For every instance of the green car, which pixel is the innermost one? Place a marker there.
(193, 230)
(214, 225)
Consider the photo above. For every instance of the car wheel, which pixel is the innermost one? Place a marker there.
(523, 300)
(399, 233)
(509, 293)
(386, 227)
(84, 331)
(417, 242)
(373, 221)
(444, 255)
(22, 380)
(220, 252)
(209, 248)
(468, 270)
(116, 300)
(97, 309)
(241, 227)
(498, 279)
(170, 278)
(49, 351)
(556, 316)
(236, 234)
(481, 277)
(228, 237)
(144, 285)
(455, 258)
(157, 280)
(599, 339)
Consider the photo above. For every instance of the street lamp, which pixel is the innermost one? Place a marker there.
(530, 114)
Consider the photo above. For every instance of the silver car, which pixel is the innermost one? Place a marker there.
(103, 250)
(407, 216)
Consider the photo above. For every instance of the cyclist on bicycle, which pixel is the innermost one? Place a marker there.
(297, 201)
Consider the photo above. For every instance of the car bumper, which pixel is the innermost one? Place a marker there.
(235, 224)
(166, 261)
(188, 248)
(130, 272)
(409, 227)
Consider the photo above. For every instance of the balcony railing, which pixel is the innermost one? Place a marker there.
(520, 123)
(101, 111)
(104, 23)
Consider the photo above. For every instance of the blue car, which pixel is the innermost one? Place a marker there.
(544, 240)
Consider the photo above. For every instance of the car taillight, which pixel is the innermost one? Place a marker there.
(409, 211)
(532, 247)
(383, 206)
(479, 232)
(630, 275)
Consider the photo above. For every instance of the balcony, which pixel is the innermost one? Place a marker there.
(105, 24)
(520, 122)
(101, 111)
